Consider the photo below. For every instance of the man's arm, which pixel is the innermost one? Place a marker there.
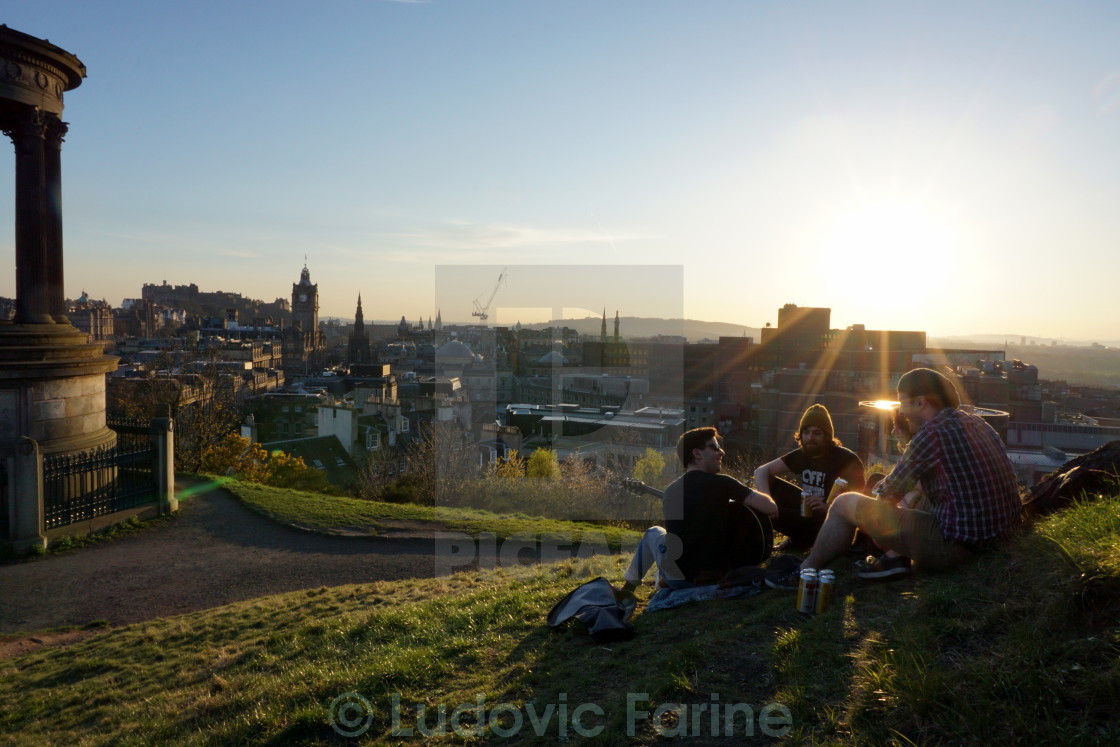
(853, 473)
(920, 457)
(763, 474)
(762, 503)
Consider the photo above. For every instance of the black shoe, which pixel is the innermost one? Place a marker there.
(884, 568)
(785, 582)
(784, 573)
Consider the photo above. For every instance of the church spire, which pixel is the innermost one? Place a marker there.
(603, 330)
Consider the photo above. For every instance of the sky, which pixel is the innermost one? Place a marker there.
(952, 167)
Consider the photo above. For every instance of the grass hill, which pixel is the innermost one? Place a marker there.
(1024, 648)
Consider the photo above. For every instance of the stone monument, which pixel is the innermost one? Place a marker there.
(52, 379)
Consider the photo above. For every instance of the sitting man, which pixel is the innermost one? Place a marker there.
(698, 544)
(816, 463)
(965, 476)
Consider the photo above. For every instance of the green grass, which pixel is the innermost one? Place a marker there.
(330, 513)
(1024, 648)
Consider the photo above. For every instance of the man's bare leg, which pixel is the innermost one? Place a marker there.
(837, 532)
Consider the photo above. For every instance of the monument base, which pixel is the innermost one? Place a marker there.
(52, 388)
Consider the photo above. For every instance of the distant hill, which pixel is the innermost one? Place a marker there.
(1001, 340)
(631, 327)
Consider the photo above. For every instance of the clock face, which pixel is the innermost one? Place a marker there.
(303, 298)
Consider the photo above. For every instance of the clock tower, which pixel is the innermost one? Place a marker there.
(302, 342)
(305, 303)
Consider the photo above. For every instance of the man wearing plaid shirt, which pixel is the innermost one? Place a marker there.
(962, 467)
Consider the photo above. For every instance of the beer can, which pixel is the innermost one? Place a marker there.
(806, 511)
(838, 487)
(827, 582)
(807, 591)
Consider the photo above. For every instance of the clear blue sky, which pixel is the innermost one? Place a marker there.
(952, 167)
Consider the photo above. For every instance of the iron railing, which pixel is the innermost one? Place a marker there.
(78, 487)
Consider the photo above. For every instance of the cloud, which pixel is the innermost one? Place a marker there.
(462, 235)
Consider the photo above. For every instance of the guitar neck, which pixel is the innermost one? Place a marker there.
(637, 486)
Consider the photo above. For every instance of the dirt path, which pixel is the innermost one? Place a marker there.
(215, 552)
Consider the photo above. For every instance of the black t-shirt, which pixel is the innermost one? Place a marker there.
(698, 510)
(817, 475)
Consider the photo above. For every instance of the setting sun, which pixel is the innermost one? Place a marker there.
(886, 238)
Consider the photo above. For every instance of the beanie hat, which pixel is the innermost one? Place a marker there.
(816, 415)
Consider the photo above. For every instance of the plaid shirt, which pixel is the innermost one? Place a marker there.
(964, 472)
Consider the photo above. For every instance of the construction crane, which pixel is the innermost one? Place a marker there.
(482, 311)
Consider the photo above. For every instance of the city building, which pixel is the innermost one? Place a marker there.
(303, 342)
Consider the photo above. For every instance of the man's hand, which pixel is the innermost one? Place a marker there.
(816, 503)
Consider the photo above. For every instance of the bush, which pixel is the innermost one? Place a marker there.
(405, 489)
(235, 455)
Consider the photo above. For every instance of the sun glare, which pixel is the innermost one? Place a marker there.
(881, 404)
(884, 239)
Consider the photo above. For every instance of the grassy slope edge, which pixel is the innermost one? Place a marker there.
(329, 513)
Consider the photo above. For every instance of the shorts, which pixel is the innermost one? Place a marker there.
(911, 532)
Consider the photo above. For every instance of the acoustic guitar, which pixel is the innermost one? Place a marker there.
(752, 534)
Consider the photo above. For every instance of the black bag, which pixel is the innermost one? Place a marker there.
(1088, 473)
(595, 605)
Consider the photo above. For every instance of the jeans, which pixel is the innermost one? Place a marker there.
(660, 547)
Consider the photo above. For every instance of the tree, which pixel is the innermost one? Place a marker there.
(650, 468)
(439, 462)
(235, 455)
(543, 464)
(375, 473)
(509, 467)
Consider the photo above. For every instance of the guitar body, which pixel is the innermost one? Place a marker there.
(751, 533)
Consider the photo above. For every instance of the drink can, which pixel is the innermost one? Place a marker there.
(807, 591)
(806, 511)
(827, 582)
(838, 487)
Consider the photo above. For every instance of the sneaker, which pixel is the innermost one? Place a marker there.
(785, 577)
(864, 563)
(885, 567)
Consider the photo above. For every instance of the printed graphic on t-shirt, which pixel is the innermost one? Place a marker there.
(813, 481)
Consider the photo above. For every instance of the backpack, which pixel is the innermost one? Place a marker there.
(1088, 473)
(594, 605)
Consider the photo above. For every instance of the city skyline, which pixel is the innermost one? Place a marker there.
(937, 167)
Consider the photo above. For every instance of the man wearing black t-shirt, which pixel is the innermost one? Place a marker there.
(815, 465)
(697, 546)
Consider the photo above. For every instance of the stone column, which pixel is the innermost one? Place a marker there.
(27, 128)
(27, 514)
(163, 437)
(52, 177)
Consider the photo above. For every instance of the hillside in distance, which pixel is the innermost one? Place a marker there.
(631, 327)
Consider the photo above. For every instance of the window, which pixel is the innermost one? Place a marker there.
(373, 439)
(404, 425)
(318, 464)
